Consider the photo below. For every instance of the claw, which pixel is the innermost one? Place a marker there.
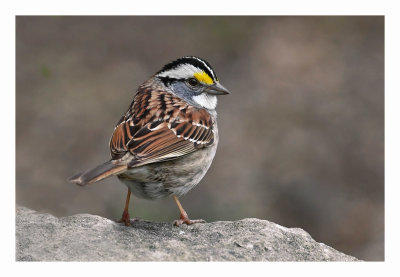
(184, 217)
(125, 219)
(187, 221)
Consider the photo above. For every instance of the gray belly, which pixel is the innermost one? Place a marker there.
(175, 177)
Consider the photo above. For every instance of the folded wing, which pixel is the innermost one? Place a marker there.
(159, 126)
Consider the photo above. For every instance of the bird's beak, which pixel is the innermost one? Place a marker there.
(216, 89)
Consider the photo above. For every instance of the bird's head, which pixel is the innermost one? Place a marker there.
(194, 80)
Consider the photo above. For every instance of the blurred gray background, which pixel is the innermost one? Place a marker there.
(301, 135)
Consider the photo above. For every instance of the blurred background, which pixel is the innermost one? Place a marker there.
(301, 135)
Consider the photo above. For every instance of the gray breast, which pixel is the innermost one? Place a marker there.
(175, 177)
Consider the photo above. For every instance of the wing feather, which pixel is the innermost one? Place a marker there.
(160, 126)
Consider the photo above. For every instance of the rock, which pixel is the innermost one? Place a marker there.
(85, 237)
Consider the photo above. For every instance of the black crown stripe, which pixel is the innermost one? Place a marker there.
(195, 61)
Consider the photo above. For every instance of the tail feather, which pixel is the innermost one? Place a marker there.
(98, 173)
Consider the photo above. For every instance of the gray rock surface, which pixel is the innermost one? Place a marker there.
(84, 237)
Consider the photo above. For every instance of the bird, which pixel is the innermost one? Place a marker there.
(167, 139)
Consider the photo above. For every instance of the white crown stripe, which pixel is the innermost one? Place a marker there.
(177, 71)
(183, 71)
(205, 65)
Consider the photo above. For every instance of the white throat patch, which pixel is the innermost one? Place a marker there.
(206, 101)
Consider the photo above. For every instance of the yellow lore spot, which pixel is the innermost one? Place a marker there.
(204, 78)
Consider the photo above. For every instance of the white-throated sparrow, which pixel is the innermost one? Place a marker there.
(166, 141)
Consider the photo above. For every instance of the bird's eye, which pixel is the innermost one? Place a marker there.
(192, 82)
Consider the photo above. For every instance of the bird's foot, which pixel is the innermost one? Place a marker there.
(184, 217)
(126, 219)
(187, 221)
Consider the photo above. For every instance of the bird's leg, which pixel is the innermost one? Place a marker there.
(184, 217)
(125, 215)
